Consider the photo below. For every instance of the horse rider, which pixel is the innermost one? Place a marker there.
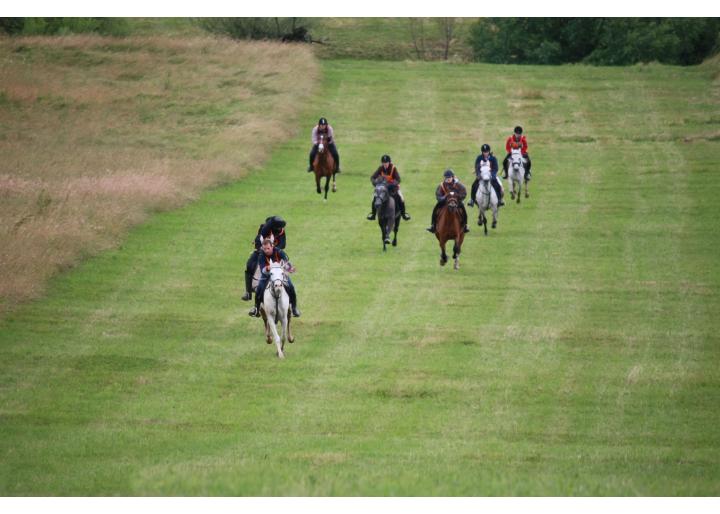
(450, 186)
(266, 257)
(486, 158)
(322, 128)
(274, 230)
(517, 140)
(389, 173)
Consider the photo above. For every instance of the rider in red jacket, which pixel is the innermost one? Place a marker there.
(517, 139)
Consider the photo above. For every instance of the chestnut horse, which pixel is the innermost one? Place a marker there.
(324, 166)
(450, 226)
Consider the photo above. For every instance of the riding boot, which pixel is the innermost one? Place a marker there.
(293, 301)
(371, 216)
(465, 227)
(255, 311)
(506, 164)
(473, 192)
(404, 215)
(431, 229)
(498, 192)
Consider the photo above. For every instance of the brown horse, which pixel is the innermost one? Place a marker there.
(324, 166)
(450, 226)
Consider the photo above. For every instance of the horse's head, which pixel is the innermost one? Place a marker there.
(321, 144)
(485, 172)
(516, 159)
(381, 193)
(277, 277)
(452, 202)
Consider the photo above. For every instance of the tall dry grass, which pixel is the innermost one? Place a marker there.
(97, 133)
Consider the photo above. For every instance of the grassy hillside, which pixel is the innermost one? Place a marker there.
(574, 353)
(97, 132)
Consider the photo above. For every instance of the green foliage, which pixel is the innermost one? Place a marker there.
(254, 28)
(62, 26)
(602, 41)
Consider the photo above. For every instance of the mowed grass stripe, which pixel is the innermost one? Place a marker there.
(573, 353)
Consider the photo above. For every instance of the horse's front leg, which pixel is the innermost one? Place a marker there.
(395, 231)
(290, 337)
(527, 193)
(317, 182)
(276, 338)
(456, 256)
(443, 255)
(327, 185)
(334, 187)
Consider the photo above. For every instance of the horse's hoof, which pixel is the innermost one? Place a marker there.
(456, 266)
(442, 262)
(269, 341)
(291, 341)
(394, 243)
(494, 224)
(387, 241)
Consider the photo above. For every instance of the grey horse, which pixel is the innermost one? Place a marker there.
(388, 215)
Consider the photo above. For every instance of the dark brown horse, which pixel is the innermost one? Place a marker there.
(450, 226)
(324, 166)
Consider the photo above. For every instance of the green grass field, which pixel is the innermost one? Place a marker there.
(574, 353)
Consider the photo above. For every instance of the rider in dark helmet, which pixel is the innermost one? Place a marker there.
(389, 173)
(273, 229)
(450, 186)
(267, 255)
(323, 128)
(486, 157)
(517, 140)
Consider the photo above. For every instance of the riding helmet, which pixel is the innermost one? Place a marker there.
(448, 173)
(518, 130)
(323, 121)
(385, 158)
(278, 221)
(485, 148)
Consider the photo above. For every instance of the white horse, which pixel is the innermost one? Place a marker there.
(486, 197)
(517, 174)
(276, 307)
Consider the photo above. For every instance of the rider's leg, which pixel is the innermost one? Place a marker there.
(249, 272)
(259, 292)
(506, 163)
(434, 217)
(336, 156)
(371, 216)
(313, 153)
(290, 288)
(528, 175)
(464, 220)
(473, 192)
(401, 203)
(498, 190)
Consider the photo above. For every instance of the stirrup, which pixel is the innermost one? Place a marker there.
(295, 312)
(370, 217)
(254, 312)
(465, 229)
(246, 297)
(431, 229)
(406, 217)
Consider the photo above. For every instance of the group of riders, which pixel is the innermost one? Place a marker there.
(271, 238)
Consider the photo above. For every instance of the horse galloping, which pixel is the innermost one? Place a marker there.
(324, 166)
(388, 213)
(276, 307)
(517, 174)
(450, 226)
(486, 198)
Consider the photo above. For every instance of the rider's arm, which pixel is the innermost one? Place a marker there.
(315, 136)
(524, 145)
(397, 175)
(508, 144)
(331, 134)
(493, 164)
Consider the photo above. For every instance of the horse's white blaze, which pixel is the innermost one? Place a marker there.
(321, 147)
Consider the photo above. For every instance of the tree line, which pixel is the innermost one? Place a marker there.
(599, 41)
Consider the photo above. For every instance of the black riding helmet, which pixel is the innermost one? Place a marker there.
(322, 121)
(385, 158)
(518, 130)
(485, 148)
(448, 173)
(276, 221)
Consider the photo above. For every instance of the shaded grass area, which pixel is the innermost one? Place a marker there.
(574, 353)
(96, 133)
